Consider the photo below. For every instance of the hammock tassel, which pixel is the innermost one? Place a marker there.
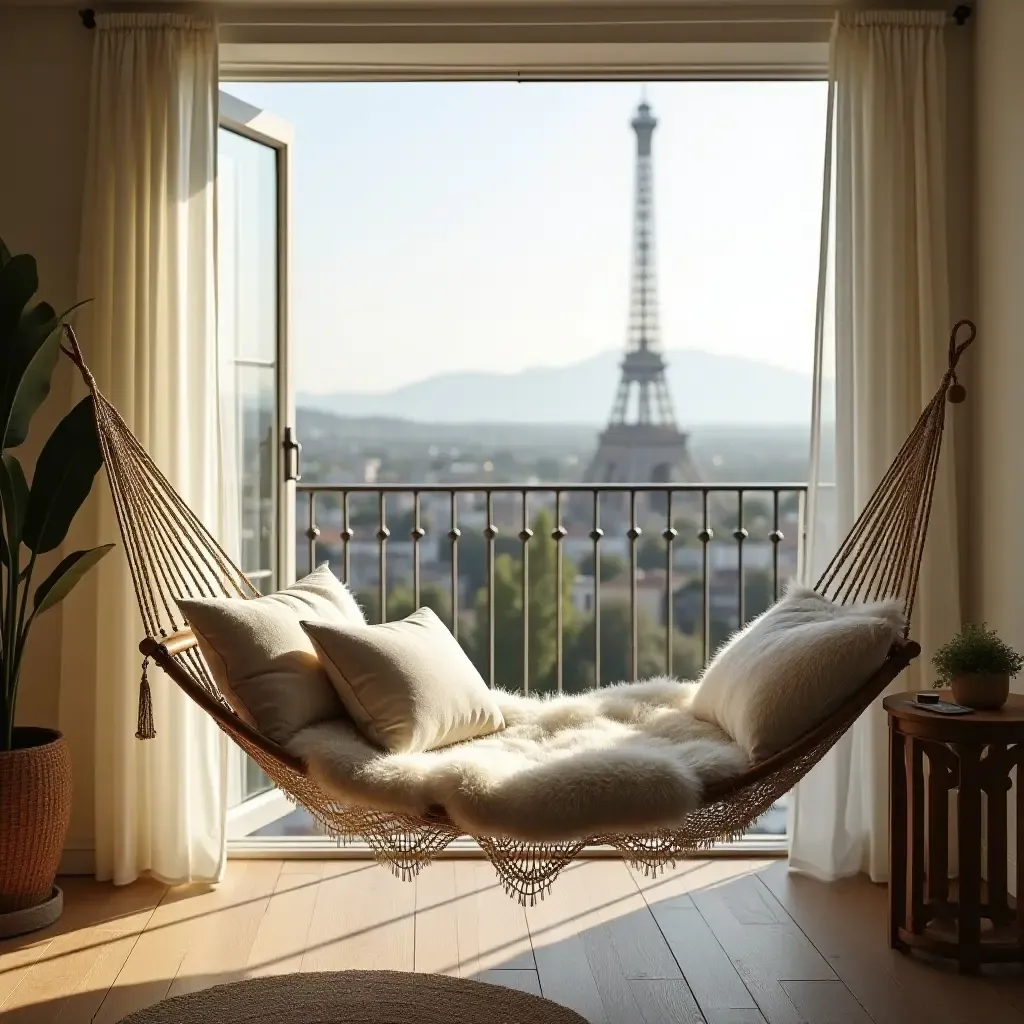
(145, 730)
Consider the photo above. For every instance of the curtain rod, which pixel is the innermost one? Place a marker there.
(960, 15)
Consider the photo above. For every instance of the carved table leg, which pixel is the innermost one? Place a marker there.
(915, 836)
(897, 835)
(969, 846)
(996, 783)
(939, 780)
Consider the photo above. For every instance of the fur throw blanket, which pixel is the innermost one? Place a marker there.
(627, 758)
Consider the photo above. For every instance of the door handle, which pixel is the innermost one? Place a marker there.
(292, 455)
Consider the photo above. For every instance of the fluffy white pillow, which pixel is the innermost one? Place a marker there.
(262, 660)
(408, 685)
(792, 666)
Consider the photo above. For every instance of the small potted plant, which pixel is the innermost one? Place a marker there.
(35, 766)
(978, 665)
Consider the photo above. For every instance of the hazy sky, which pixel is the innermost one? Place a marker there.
(486, 226)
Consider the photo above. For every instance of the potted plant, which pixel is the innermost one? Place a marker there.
(978, 665)
(35, 767)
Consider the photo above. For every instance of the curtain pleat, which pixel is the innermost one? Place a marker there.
(148, 264)
(882, 330)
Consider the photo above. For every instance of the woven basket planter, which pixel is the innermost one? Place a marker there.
(35, 809)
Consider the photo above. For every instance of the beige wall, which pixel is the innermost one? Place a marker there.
(44, 79)
(960, 172)
(997, 370)
(998, 365)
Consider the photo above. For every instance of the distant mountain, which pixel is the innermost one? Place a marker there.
(706, 389)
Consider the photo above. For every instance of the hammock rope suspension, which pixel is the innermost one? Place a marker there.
(171, 554)
(881, 555)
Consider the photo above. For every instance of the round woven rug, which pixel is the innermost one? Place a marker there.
(357, 997)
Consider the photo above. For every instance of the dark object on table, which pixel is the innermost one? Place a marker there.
(944, 707)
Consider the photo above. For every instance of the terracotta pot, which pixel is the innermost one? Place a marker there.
(983, 691)
(35, 810)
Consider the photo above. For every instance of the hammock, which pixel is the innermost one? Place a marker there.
(171, 554)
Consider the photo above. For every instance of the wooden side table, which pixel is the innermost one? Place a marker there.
(969, 921)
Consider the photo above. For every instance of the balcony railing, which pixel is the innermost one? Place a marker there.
(560, 587)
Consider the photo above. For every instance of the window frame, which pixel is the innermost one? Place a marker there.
(481, 40)
(248, 813)
(473, 42)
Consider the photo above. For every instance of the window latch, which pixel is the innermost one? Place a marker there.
(292, 456)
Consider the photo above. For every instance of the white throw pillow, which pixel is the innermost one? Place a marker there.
(262, 660)
(408, 685)
(792, 666)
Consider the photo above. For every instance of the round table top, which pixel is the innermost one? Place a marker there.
(903, 707)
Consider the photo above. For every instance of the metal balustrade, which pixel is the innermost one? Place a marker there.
(719, 526)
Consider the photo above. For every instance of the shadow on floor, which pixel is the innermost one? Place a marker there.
(717, 941)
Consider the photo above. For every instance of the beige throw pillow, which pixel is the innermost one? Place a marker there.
(262, 660)
(793, 666)
(408, 685)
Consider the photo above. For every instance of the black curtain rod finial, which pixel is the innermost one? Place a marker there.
(961, 13)
(88, 16)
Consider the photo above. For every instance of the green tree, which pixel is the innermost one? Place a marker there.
(366, 520)
(473, 556)
(651, 548)
(651, 551)
(612, 566)
(758, 597)
(542, 623)
(758, 593)
(616, 639)
(401, 603)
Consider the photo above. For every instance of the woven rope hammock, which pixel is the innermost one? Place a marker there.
(171, 554)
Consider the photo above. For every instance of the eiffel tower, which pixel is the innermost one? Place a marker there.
(642, 443)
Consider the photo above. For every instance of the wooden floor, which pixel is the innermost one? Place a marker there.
(721, 941)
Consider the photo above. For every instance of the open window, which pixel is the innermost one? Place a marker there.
(257, 408)
(459, 330)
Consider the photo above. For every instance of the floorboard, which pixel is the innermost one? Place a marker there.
(713, 941)
(764, 945)
(563, 967)
(283, 932)
(525, 981)
(364, 918)
(846, 923)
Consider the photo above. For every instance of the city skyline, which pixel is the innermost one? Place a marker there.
(452, 227)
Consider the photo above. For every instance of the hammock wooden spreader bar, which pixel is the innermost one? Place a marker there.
(171, 554)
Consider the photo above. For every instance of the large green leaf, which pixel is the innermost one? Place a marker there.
(67, 465)
(29, 347)
(18, 283)
(29, 369)
(29, 366)
(66, 577)
(14, 496)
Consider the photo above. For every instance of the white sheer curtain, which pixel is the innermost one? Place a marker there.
(881, 350)
(148, 262)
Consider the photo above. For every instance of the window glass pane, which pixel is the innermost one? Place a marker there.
(257, 463)
(247, 238)
(247, 218)
(255, 780)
